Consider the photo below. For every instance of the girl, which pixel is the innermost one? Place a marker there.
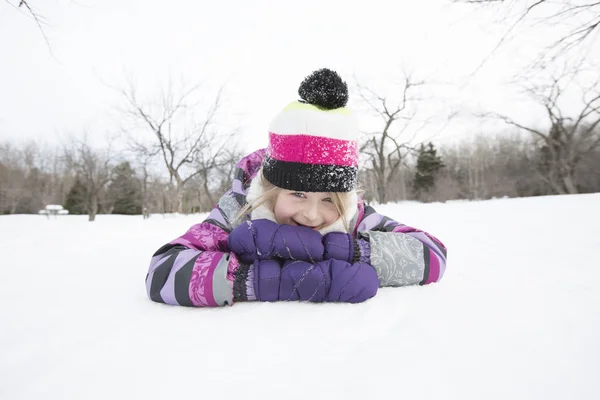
(292, 226)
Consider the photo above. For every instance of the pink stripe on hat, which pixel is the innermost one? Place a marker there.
(309, 149)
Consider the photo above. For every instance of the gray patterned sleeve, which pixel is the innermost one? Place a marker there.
(397, 258)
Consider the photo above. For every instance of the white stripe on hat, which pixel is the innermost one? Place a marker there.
(305, 119)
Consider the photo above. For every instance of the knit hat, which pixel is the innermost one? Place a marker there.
(313, 143)
(313, 147)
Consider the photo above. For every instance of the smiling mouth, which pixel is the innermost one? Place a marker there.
(306, 226)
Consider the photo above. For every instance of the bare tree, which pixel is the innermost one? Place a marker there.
(215, 161)
(187, 146)
(387, 148)
(589, 173)
(30, 10)
(142, 161)
(146, 159)
(93, 167)
(12, 176)
(568, 138)
(225, 173)
(582, 16)
(366, 181)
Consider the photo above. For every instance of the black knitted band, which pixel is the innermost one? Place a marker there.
(310, 177)
(356, 254)
(239, 285)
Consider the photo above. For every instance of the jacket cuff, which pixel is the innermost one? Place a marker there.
(243, 285)
(362, 251)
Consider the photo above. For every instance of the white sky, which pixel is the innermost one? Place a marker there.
(260, 50)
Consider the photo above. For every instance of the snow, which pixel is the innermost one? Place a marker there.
(517, 315)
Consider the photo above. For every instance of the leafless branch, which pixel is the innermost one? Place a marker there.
(39, 20)
(568, 12)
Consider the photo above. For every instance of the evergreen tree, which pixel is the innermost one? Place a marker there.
(124, 192)
(428, 165)
(76, 201)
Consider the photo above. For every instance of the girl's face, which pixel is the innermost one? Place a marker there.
(311, 209)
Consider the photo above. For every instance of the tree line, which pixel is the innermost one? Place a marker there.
(89, 181)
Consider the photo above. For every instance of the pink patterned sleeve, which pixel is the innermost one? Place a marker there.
(196, 269)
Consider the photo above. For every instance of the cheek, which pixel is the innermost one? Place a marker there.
(330, 215)
(282, 210)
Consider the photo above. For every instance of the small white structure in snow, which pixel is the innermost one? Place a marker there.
(53, 210)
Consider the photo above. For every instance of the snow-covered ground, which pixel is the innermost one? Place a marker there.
(517, 316)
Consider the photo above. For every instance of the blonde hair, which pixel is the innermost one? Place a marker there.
(270, 193)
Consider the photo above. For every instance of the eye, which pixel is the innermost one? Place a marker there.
(298, 194)
(328, 199)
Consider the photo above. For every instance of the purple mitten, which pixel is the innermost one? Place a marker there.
(257, 281)
(343, 246)
(328, 280)
(241, 242)
(267, 276)
(263, 239)
(293, 243)
(243, 239)
(352, 283)
(301, 280)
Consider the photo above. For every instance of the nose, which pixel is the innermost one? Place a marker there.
(311, 213)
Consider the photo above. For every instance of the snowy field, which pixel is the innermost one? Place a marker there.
(517, 316)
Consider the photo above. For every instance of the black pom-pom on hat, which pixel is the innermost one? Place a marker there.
(324, 88)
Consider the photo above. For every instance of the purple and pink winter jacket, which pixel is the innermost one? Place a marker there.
(198, 269)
